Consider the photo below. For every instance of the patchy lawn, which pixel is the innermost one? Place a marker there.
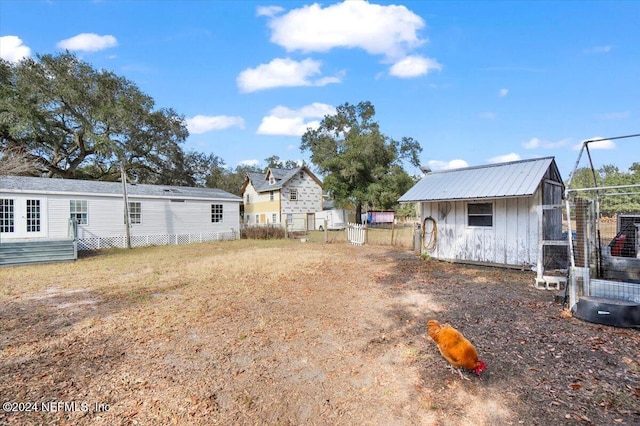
(281, 332)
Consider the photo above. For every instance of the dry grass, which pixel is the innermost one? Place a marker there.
(284, 332)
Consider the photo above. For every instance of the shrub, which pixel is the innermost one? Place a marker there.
(265, 232)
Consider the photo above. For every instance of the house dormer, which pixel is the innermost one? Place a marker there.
(271, 178)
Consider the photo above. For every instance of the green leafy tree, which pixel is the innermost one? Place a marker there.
(80, 122)
(360, 164)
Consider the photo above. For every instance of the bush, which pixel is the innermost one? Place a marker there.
(265, 232)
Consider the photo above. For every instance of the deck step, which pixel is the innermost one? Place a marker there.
(37, 251)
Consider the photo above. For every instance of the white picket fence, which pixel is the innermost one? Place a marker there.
(356, 234)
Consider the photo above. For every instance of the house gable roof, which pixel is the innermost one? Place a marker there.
(512, 179)
(18, 184)
(260, 181)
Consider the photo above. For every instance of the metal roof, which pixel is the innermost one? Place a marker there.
(93, 187)
(512, 179)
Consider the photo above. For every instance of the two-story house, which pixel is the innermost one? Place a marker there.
(282, 196)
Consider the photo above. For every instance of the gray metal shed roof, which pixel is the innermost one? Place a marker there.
(74, 186)
(513, 179)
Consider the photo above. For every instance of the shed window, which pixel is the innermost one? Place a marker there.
(293, 194)
(135, 212)
(6, 215)
(216, 213)
(78, 211)
(480, 214)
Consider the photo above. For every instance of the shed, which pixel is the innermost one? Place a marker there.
(497, 214)
(34, 208)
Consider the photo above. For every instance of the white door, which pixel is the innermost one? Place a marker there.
(30, 218)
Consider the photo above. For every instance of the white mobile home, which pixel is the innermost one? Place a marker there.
(40, 209)
(499, 214)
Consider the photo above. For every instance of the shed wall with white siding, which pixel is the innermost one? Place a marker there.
(516, 192)
(512, 240)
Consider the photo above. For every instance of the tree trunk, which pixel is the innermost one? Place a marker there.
(359, 213)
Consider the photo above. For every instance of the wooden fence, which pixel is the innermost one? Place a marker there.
(356, 234)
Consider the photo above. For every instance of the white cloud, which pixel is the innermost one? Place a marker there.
(447, 165)
(414, 66)
(390, 30)
(12, 49)
(503, 92)
(269, 10)
(613, 115)
(598, 49)
(535, 143)
(283, 73)
(88, 42)
(202, 123)
(512, 156)
(487, 115)
(248, 163)
(288, 122)
(600, 143)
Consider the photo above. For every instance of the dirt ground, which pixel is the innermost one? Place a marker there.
(298, 333)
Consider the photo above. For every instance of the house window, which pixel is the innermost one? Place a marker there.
(272, 180)
(293, 194)
(274, 218)
(216, 213)
(289, 218)
(257, 219)
(248, 198)
(480, 214)
(135, 212)
(271, 196)
(33, 215)
(78, 211)
(6, 215)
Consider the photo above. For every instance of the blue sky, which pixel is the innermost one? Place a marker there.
(474, 82)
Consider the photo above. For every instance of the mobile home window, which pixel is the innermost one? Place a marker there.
(293, 194)
(135, 212)
(480, 214)
(78, 211)
(216, 213)
(6, 215)
(33, 215)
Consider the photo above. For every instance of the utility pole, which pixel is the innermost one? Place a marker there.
(123, 177)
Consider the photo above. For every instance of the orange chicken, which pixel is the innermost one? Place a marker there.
(455, 348)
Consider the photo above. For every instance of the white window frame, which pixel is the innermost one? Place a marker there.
(79, 210)
(7, 215)
(293, 194)
(480, 214)
(135, 213)
(217, 213)
(34, 216)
